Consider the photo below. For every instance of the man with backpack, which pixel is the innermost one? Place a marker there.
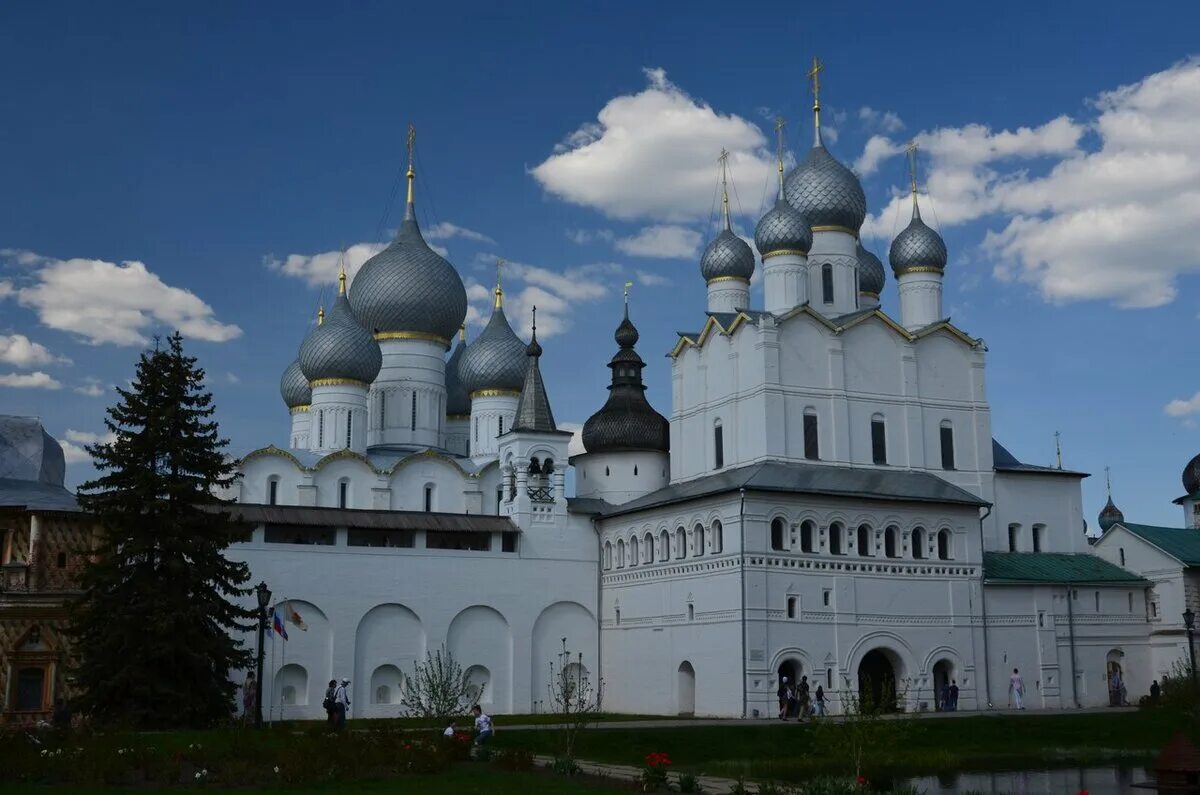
(341, 705)
(327, 704)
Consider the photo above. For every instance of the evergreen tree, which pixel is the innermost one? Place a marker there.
(154, 628)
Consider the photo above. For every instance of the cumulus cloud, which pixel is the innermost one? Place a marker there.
(74, 444)
(91, 387)
(554, 293)
(582, 237)
(6, 289)
(664, 241)
(105, 302)
(446, 230)
(1183, 408)
(653, 155)
(651, 279)
(323, 268)
(19, 351)
(34, 380)
(884, 120)
(1081, 200)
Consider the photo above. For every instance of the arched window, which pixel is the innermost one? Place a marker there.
(273, 490)
(718, 445)
(321, 428)
(412, 414)
(836, 539)
(548, 467)
(500, 425)
(947, 440)
(778, 526)
(680, 543)
(943, 541)
(878, 440)
(429, 494)
(698, 540)
(1121, 550)
(718, 537)
(866, 544)
(606, 472)
(349, 428)
(918, 543)
(633, 551)
(344, 493)
(664, 546)
(807, 531)
(890, 545)
(620, 553)
(812, 438)
(382, 422)
(1014, 535)
(648, 548)
(635, 470)
(827, 283)
(607, 554)
(1039, 538)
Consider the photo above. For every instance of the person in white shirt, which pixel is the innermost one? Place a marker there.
(1017, 686)
(341, 705)
(450, 730)
(483, 725)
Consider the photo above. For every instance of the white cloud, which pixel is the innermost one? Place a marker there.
(446, 230)
(74, 443)
(1183, 408)
(554, 293)
(92, 387)
(653, 155)
(19, 351)
(665, 241)
(34, 380)
(582, 237)
(6, 289)
(232, 378)
(884, 120)
(322, 269)
(23, 257)
(87, 437)
(878, 149)
(1100, 209)
(651, 279)
(103, 302)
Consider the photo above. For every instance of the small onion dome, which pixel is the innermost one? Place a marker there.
(917, 247)
(340, 348)
(458, 400)
(1110, 514)
(826, 193)
(496, 359)
(727, 257)
(408, 289)
(626, 422)
(871, 275)
(783, 230)
(294, 387)
(1191, 476)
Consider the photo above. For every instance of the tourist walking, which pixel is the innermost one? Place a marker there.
(782, 695)
(820, 701)
(341, 705)
(1155, 692)
(1017, 688)
(328, 704)
(953, 695)
(249, 698)
(483, 725)
(943, 698)
(805, 700)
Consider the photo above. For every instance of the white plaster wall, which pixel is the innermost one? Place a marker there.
(920, 299)
(332, 408)
(409, 366)
(728, 295)
(1026, 499)
(301, 423)
(785, 282)
(620, 477)
(491, 416)
(840, 250)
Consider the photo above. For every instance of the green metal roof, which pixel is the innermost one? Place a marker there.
(1057, 568)
(1181, 544)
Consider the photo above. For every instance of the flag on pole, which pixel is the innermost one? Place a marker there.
(295, 618)
(277, 623)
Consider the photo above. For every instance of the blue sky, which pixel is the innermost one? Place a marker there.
(226, 148)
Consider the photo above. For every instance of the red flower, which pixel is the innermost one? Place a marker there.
(657, 759)
(1083, 792)
(862, 781)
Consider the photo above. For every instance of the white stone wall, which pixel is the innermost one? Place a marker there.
(491, 416)
(1051, 504)
(620, 477)
(338, 418)
(301, 424)
(840, 251)
(785, 282)
(728, 295)
(920, 299)
(411, 369)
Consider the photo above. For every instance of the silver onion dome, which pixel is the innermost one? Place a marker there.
(727, 257)
(783, 230)
(917, 247)
(826, 193)
(496, 359)
(1110, 515)
(293, 386)
(458, 400)
(340, 348)
(408, 288)
(871, 275)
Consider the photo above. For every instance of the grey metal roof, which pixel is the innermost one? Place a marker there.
(917, 246)
(496, 359)
(293, 386)
(340, 348)
(1004, 461)
(825, 192)
(588, 505)
(1110, 514)
(409, 287)
(727, 256)
(458, 400)
(871, 276)
(794, 478)
(27, 452)
(533, 407)
(251, 513)
(783, 228)
(35, 495)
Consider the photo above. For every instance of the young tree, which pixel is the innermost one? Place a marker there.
(575, 698)
(154, 628)
(438, 688)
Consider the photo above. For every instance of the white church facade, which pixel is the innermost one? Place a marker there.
(826, 499)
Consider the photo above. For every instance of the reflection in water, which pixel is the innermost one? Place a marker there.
(1093, 780)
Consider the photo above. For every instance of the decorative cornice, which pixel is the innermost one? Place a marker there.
(717, 279)
(783, 251)
(338, 382)
(482, 393)
(381, 336)
(299, 409)
(920, 269)
(835, 228)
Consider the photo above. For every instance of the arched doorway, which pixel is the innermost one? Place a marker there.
(943, 676)
(685, 689)
(1115, 677)
(789, 673)
(876, 683)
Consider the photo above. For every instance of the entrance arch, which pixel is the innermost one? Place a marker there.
(876, 682)
(792, 669)
(685, 688)
(943, 674)
(1115, 677)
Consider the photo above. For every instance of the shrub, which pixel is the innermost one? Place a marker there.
(690, 782)
(654, 773)
(518, 760)
(564, 766)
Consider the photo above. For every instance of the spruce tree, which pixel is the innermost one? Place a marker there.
(154, 629)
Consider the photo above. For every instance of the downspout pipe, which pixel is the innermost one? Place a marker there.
(1071, 637)
(599, 615)
(742, 567)
(987, 676)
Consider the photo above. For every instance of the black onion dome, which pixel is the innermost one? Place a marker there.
(917, 247)
(458, 400)
(495, 360)
(825, 192)
(293, 386)
(1110, 514)
(1191, 476)
(340, 348)
(626, 422)
(409, 287)
(871, 276)
(782, 229)
(727, 256)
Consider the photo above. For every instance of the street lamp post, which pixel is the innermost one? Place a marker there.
(264, 599)
(1189, 622)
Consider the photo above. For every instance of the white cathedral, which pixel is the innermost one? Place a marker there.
(826, 499)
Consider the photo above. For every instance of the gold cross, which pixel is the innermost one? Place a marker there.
(814, 75)
(412, 139)
(779, 125)
(499, 291)
(911, 148)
